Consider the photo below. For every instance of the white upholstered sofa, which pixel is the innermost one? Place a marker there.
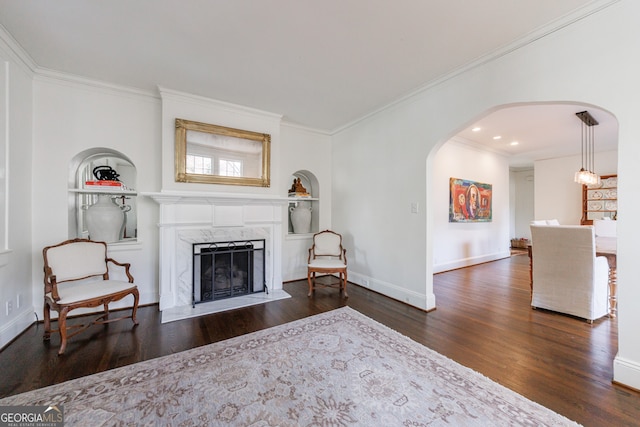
(567, 275)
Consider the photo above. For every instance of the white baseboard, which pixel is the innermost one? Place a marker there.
(467, 262)
(626, 372)
(16, 326)
(424, 302)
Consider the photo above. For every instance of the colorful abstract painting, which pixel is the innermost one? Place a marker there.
(469, 201)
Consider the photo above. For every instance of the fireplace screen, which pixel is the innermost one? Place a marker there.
(227, 269)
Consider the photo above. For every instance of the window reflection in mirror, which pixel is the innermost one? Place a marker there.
(214, 154)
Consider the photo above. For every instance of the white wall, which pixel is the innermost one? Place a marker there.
(68, 118)
(557, 195)
(309, 150)
(15, 194)
(70, 115)
(200, 109)
(379, 162)
(293, 149)
(522, 202)
(462, 244)
(378, 173)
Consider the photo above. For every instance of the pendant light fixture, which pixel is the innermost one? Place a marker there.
(586, 174)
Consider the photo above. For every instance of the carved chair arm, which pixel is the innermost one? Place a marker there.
(126, 266)
(309, 257)
(50, 284)
(344, 256)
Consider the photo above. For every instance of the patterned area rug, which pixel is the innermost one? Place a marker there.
(334, 369)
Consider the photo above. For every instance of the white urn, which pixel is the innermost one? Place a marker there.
(104, 220)
(301, 217)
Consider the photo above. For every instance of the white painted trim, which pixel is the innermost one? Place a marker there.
(5, 255)
(221, 105)
(72, 80)
(16, 326)
(529, 38)
(19, 56)
(424, 302)
(196, 197)
(626, 372)
(467, 262)
(305, 128)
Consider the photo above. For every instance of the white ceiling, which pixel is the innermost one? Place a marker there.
(542, 131)
(320, 64)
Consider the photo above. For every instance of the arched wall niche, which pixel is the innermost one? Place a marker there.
(310, 182)
(81, 196)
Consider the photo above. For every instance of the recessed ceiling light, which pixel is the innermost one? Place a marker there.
(514, 143)
(497, 137)
(476, 129)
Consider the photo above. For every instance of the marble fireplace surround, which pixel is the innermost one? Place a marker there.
(195, 217)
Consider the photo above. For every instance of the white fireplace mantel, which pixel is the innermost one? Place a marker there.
(201, 197)
(188, 217)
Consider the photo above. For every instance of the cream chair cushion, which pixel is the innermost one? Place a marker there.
(327, 244)
(81, 259)
(72, 292)
(326, 263)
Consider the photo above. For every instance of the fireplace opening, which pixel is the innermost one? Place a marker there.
(228, 269)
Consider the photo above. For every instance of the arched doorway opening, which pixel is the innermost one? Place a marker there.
(544, 137)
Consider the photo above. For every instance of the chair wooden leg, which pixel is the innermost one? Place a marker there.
(47, 321)
(344, 284)
(62, 326)
(309, 281)
(134, 310)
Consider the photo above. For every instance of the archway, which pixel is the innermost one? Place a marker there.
(554, 149)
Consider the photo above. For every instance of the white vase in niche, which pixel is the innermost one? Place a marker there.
(104, 220)
(301, 217)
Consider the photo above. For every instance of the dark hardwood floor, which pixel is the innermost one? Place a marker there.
(483, 321)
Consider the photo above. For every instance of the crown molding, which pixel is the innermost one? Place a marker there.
(531, 37)
(293, 125)
(12, 48)
(21, 58)
(222, 105)
(46, 74)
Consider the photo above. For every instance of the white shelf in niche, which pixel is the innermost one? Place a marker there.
(103, 191)
(301, 199)
(126, 244)
(293, 236)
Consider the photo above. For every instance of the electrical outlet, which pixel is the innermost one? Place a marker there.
(9, 307)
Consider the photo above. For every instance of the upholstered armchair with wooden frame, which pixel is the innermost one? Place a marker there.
(76, 275)
(568, 277)
(327, 256)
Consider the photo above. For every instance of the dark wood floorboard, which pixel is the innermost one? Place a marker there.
(483, 321)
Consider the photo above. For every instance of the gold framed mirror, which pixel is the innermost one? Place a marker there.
(212, 154)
